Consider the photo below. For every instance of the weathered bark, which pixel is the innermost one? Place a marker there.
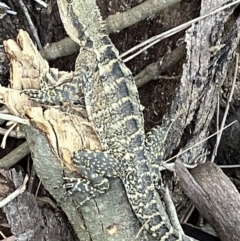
(195, 100)
(95, 220)
(215, 197)
(30, 223)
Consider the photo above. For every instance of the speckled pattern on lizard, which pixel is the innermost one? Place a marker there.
(113, 105)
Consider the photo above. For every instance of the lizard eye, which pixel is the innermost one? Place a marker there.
(69, 1)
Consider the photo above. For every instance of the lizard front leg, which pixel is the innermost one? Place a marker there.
(67, 92)
(85, 68)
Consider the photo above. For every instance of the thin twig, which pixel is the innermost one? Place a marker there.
(11, 238)
(38, 187)
(226, 110)
(201, 156)
(214, 153)
(31, 25)
(4, 8)
(155, 39)
(16, 193)
(172, 211)
(230, 166)
(171, 166)
(2, 234)
(31, 178)
(180, 153)
(153, 70)
(15, 156)
(3, 144)
(189, 213)
(42, 3)
(140, 230)
(16, 134)
(14, 119)
(114, 23)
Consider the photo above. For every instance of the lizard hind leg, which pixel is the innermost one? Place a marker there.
(94, 167)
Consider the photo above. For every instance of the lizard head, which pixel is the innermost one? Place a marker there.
(80, 18)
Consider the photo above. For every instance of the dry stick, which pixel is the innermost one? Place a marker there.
(14, 156)
(214, 153)
(218, 113)
(2, 234)
(31, 25)
(140, 230)
(215, 197)
(117, 22)
(155, 39)
(14, 118)
(3, 144)
(230, 166)
(12, 133)
(11, 238)
(67, 46)
(31, 178)
(58, 49)
(38, 187)
(42, 3)
(226, 110)
(171, 166)
(16, 193)
(5, 9)
(189, 213)
(171, 210)
(153, 71)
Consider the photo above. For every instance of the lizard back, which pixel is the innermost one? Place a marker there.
(113, 104)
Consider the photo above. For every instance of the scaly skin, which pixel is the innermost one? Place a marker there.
(113, 105)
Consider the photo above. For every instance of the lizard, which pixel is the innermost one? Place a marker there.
(113, 105)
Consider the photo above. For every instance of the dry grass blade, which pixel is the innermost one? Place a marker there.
(155, 39)
(179, 154)
(226, 110)
(13, 195)
(14, 118)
